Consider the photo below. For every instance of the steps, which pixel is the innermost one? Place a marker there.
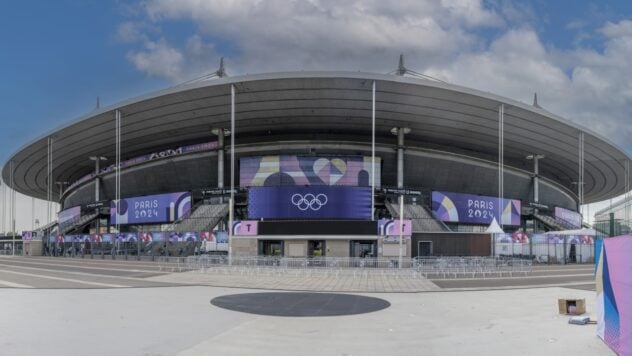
(422, 219)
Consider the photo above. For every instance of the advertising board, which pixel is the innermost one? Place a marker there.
(151, 209)
(287, 170)
(474, 209)
(311, 202)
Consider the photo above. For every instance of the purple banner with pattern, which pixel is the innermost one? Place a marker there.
(315, 202)
(474, 209)
(151, 209)
(286, 170)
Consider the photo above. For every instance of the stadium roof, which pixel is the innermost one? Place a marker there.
(441, 116)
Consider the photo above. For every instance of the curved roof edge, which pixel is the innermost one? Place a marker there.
(322, 74)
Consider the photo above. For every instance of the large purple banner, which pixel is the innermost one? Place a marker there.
(568, 217)
(151, 209)
(474, 209)
(317, 202)
(286, 170)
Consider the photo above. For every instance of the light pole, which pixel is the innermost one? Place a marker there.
(4, 204)
(536, 179)
(61, 186)
(97, 168)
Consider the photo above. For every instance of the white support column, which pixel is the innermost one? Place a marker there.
(501, 161)
(373, 154)
(117, 176)
(4, 205)
(11, 177)
(49, 181)
(220, 158)
(627, 196)
(401, 230)
(231, 206)
(97, 180)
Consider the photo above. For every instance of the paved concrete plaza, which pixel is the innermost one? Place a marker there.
(181, 321)
(105, 273)
(93, 307)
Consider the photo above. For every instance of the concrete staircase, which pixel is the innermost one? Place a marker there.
(422, 219)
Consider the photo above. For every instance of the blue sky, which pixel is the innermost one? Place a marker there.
(58, 56)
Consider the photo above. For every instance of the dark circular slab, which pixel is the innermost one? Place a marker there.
(300, 304)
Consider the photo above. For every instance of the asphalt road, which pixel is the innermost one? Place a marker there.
(66, 273)
(62, 273)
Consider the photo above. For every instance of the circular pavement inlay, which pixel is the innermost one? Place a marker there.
(300, 304)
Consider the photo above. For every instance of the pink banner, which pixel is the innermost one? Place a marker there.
(245, 228)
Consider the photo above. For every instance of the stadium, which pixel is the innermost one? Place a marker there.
(308, 164)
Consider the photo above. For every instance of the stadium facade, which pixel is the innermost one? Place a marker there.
(321, 160)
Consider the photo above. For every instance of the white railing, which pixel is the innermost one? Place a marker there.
(432, 268)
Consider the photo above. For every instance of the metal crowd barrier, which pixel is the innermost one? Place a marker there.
(430, 268)
(472, 267)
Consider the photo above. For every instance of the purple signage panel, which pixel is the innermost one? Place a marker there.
(151, 209)
(474, 209)
(245, 228)
(390, 227)
(312, 202)
(568, 217)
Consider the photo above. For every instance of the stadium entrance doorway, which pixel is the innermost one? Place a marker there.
(424, 248)
(316, 248)
(271, 248)
(363, 248)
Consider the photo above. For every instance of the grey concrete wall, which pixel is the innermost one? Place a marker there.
(244, 246)
(300, 244)
(337, 248)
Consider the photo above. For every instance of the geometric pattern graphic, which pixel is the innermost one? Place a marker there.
(288, 170)
(614, 294)
(474, 209)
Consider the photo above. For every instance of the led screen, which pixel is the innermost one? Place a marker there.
(311, 202)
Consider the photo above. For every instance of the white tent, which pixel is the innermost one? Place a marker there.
(579, 232)
(494, 228)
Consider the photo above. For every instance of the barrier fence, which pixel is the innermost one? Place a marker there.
(431, 268)
(549, 253)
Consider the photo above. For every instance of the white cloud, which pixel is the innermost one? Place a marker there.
(326, 34)
(583, 85)
(130, 32)
(620, 29)
(439, 38)
(159, 59)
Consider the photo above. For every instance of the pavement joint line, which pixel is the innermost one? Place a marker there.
(510, 278)
(13, 284)
(84, 267)
(85, 274)
(66, 279)
(84, 261)
(560, 285)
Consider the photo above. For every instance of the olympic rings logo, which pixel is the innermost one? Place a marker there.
(309, 201)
